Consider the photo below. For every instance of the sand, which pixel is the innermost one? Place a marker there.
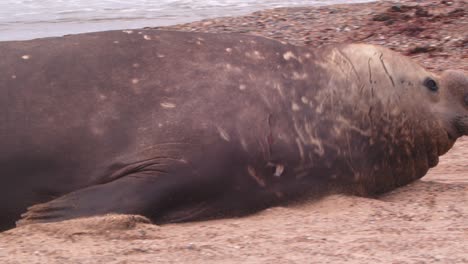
(424, 222)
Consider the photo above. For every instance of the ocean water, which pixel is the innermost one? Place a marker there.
(28, 19)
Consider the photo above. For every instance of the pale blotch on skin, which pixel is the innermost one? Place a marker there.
(254, 175)
(289, 55)
(97, 131)
(228, 50)
(345, 123)
(13, 76)
(135, 81)
(278, 87)
(96, 125)
(147, 37)
(223, 133)
(167, 105)
(295, 107)
(318, 144)
(337, 131)
(319, 108)
(244, 144)
(279, 170)
(128, 31)
(307, 55)
(102, 97)
(116, 42)
(304, 100)
(314, 140)
(255, 55)
(26, 57)
(160, 125)
(161, 55)
(231, 68)
(299, 76)
(300, 147)
(135, 65)
(395, 111)
(311, 139)
(242, 87)
(200, 41)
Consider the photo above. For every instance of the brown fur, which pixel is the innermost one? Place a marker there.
(185, 126)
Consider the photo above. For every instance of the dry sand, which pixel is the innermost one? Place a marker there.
(424, 222)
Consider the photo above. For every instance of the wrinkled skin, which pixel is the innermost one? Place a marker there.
(187, 126)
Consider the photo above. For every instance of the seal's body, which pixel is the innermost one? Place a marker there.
(184, 126)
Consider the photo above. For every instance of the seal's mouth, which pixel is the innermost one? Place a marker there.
(460, 123)
(458, 128)
(451, 136)
(444, 145)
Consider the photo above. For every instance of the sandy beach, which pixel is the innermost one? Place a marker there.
(424, 222)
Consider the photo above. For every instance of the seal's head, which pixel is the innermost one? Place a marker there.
(448, 94)
(438, 104)
(410, 115)
(452, 107)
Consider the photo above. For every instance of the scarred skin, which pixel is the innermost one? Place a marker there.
(187, 126)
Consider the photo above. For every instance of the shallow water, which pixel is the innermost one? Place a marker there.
(27, 19)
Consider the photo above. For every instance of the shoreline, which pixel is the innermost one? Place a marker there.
(428, 31)
(23, 21)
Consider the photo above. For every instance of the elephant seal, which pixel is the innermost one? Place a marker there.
(186, 126)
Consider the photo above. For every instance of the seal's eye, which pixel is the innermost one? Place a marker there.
(466, 100)
(431, 84)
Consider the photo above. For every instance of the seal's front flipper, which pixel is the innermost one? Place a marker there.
(145, 191)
